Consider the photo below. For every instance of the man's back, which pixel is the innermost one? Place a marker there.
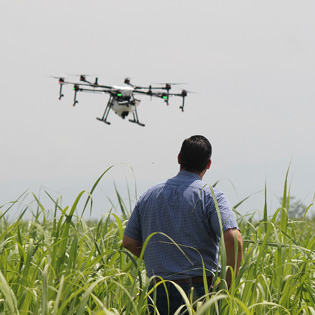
(181, 211)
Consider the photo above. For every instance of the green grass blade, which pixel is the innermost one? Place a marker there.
(10, 299)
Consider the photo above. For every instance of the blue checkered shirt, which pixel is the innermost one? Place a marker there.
(182, 211)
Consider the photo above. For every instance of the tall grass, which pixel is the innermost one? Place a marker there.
(57, 263)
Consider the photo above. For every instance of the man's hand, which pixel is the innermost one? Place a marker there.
(230, 251)
(132, 245)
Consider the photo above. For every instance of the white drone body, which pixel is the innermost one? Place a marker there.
(126, 91)
(125, 103)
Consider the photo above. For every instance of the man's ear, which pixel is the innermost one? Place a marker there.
(178, 158)
(209, 164)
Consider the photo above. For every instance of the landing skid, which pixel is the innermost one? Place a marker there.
(104, 121)
(137, 122)
(136, 119)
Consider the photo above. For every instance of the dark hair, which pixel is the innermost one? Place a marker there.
(195, 154)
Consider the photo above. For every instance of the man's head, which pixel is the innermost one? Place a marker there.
(195, 154)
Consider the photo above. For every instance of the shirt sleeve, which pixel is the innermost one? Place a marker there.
(133, 227)
(228, 218)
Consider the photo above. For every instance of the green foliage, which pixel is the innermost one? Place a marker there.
(57, 263)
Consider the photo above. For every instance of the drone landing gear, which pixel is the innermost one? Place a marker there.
(104, 121)
(106, 112)
(136, 119)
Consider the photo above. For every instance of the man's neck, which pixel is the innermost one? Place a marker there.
(199, 174)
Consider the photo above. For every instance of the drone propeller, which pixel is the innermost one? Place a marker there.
(81, 74)
(60, 79)
(127, 81)
(83, 79)
(169, 83)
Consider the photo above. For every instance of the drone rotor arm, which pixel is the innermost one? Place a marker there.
(94, 90)
(101, 86)
(141, 92)
(77, 88)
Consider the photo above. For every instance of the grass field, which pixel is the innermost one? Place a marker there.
(57, 263)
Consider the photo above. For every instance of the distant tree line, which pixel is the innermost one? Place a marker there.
(296, 207)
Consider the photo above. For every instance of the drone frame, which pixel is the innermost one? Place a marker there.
(116, 96)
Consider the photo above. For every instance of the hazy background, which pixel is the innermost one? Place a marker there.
(250, 64)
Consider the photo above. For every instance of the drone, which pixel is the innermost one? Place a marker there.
(121, 98)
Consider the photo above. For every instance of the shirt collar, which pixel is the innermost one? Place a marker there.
(189, 174)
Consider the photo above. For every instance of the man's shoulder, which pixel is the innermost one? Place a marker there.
(211, 189)
(206, 187)
(153, 189)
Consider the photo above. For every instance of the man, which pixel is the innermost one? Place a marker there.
(182, 215)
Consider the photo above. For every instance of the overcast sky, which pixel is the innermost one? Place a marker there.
(249, 63)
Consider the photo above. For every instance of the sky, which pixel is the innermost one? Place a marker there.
(249, 66)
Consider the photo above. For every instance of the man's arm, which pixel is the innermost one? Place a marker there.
(230, 251)
(132, 245)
